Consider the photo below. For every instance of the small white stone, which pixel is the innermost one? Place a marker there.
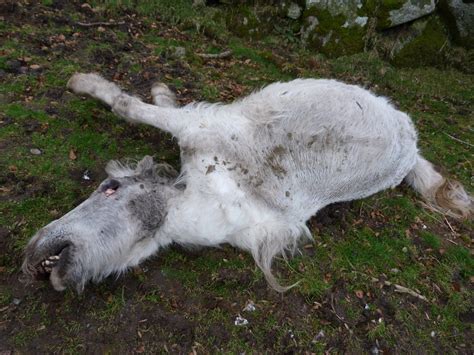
(318, 336)
(361, 20)
(249, 307)
(433, 334)
(239, 321)
(86, 175)
(16, 301)
(35, 151)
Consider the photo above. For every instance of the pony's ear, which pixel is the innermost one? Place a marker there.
(145, 166)
(116, 169)
(160, 173)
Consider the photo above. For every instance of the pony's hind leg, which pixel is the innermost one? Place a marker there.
(163, 96)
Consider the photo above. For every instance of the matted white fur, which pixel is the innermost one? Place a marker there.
(253, 172)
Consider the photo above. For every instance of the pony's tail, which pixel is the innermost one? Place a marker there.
(440, 194)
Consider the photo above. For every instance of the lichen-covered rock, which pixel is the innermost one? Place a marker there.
(352, 10)
(294, 11)
(421, 43)
(411, 10)
(251, 22)
(389, 13)
(460, 18)
(334, 27)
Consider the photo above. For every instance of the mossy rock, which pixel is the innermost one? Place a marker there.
(459, 17)
(425, 49)
(251, 22)
(390, 13)
(332, 35)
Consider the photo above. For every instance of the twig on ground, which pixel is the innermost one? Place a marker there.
(334, 310)
(459, 140)
(92, 24)
(222, 55)
(452, 241)
(398, 288)
(442, 47)
(403, 289)
(450, 226)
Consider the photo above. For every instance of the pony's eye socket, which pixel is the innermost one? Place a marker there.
(112, 184)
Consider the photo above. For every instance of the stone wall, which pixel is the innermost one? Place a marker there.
(407, 32)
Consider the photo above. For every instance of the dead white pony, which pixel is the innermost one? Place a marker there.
(253, 172)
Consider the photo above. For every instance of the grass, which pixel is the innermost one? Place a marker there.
(389, 236)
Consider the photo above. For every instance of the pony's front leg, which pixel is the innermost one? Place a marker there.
(167, 118)
(95, 86)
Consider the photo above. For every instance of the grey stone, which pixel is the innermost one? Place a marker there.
(35, 151)
(179, 52)
(294, 11)
(411, 10)
(460, 17)
(311, 23)
(16, 301)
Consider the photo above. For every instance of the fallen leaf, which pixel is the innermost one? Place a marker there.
(4, 190)
(456, 286)
(72, 154)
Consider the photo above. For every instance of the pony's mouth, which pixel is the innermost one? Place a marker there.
(57, 262)
(44, 268)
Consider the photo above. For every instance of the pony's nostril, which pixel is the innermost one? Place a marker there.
(112, 184)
